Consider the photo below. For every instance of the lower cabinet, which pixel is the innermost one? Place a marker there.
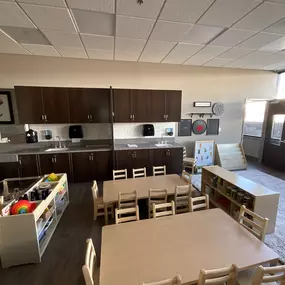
(57, 163)
(28, 165)
(129, 159)
(89, 166)
(9, 170)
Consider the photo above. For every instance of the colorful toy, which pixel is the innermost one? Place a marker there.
(22, 207)
(52, 177)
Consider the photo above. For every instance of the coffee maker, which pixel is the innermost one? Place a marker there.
(31, 135)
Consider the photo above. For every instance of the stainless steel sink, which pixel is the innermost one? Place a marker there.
(163, 145)
(56, 149)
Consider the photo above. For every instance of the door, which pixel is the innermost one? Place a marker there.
(173, 106)
(157, 106)
(99, 101)
(57, 163)
(28, 165)
(122, 100)
(82, 167)
(55, 102)
(274, 143)
(30, 105)
(141, 100)
(79, 104)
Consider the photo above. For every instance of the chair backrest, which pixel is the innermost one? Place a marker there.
(90, 263)
(159, 170)
(269, 274)
(181, 198)
(120, 174)
(157, 196)
(198, 203)
(253, 222)
(184, 152)
(139, 172)
(94, 189)
(162, 210)
(127, 200)
(186, 176)
(226, 275)
(172, 281)
(132, 215)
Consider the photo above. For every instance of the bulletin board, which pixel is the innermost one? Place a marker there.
(204, 154)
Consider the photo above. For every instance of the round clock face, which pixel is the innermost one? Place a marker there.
(199, 127)
(218, 109)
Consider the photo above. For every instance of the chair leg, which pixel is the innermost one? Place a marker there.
(95, 212)
(112, 211)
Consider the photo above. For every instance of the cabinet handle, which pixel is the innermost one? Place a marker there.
(55, 159)
(91, 117)
(131, 116)
(20, 161)
(92, 157)
(43, 117)
(88, 117)
(46, 118)
(52, 160)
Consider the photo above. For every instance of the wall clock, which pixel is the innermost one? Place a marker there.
(218, 109)
(199, 127)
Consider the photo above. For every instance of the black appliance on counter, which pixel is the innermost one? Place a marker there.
(75, 132)
(148, 130)
(31, 136)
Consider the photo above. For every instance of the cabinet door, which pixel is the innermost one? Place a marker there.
(176, 160)
(141, 101)
(30, 104)
(28, 165)
(122, 100)
(82, 167)
(173, 106)
(160, 157)
(9, 170)
(99, 106)
(55, 105)
(157, 109)
(102, 165)
(79, 104)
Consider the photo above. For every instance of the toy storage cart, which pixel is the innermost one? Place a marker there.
(24, 237)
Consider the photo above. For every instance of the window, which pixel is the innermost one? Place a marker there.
(254, 117)
(277, 127)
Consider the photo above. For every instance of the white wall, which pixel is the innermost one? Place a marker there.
(229, 86)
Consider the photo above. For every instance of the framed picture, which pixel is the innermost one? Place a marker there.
(6, 111)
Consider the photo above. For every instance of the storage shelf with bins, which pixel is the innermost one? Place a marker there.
(223, 186)
(25, 237)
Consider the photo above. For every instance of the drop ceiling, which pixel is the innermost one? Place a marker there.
(218, 33)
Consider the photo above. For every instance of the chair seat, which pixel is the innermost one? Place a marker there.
(189, 160)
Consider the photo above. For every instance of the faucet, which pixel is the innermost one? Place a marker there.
(162, 141)
(59, 142)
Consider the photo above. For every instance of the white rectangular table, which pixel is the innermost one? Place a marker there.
(156, 249)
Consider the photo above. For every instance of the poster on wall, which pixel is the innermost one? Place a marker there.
(204, 155)
(6, 113)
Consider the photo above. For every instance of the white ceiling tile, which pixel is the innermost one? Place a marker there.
(72, 52)
(278, 28)
(130, 27)
(100, 54)
(149, 9)
(181, 53)
(59, 39)
(232, 37)
(169, 31)
(41, 50)
(263, 16)
(156, 51)
(277, 1)
(235, 53)
(184, 10)
(98, 42)
(50, 18)
(275, 46)
(253, 66)
(90, 22)
(126, 56)
(255, 56)
(54, 3)
(200, 34)
(26, 35)
(224, 13)
(12, 15)
(106, 6)
(217, 62)
(130, 45)
(259, 40)
(276, 66)
(205, 55)
(235, 64)
(9, 46)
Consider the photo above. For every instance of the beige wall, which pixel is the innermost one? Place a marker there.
(230, 86)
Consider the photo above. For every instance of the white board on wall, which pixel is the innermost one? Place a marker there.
(204, 154)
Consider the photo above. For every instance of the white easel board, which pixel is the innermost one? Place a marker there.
(204, 154)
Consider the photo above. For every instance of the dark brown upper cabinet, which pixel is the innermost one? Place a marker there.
(89, 105)
(40, 105)
(146, 105)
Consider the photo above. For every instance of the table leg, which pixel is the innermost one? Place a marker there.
(106, 213)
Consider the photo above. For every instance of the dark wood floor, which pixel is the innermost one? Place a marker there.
(64, 256)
